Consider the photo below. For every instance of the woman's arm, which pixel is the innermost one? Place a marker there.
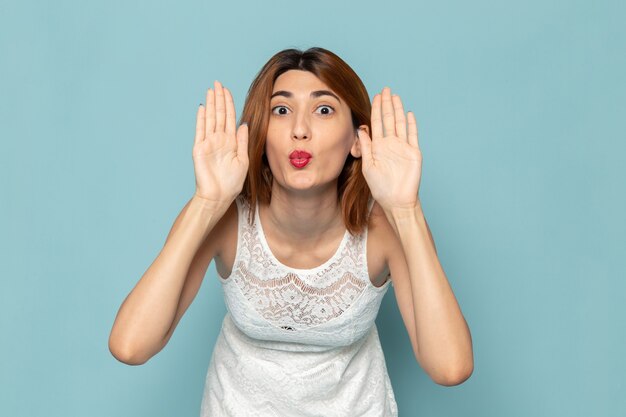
(442, 334)
(149, 314)
(392, 165)
(143, 323)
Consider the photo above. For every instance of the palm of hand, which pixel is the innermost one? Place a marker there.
(392, 162)
(220, 150)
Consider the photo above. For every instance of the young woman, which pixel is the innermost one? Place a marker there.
(309, 215)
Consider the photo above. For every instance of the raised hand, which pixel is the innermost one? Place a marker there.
(220, 152)
(392, 161)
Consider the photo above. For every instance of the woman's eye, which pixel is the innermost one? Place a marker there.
(279, 107)
(329, 111)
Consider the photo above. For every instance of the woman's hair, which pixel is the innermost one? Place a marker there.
(352, 190)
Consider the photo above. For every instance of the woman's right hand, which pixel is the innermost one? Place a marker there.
(220, 153)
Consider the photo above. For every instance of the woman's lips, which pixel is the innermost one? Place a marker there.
(299, 158)
(299, 162)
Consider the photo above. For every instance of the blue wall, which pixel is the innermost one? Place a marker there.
(523, 187)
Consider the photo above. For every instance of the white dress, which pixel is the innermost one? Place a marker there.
(298, 342)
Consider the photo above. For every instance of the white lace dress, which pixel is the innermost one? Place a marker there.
(298, 342)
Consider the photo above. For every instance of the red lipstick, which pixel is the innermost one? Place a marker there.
(299, 159)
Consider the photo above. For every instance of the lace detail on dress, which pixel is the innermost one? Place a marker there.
(295, 299)
(292, 304)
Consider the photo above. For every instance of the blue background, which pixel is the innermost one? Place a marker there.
(519, 106)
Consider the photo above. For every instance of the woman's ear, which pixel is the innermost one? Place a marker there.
(356, 146)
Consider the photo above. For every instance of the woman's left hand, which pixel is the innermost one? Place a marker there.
(392, 161)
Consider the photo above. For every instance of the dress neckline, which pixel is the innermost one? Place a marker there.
(261, 233)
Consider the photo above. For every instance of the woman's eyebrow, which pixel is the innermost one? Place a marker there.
(313, 94)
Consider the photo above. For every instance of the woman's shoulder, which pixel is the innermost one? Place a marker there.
(225, 230)
(377, 218)
(381, 233)
(376, 210)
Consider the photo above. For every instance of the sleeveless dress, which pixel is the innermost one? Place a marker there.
(298, 342)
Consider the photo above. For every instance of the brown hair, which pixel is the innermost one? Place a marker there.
(353, 192)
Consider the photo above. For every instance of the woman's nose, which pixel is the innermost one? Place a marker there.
(301, 128)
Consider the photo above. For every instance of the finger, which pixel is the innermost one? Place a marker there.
(388, 116)
(413, 130)
(210, 113)
(220, 107)
(377, 126)
(200, 121)
(400, 119)
(230, 113)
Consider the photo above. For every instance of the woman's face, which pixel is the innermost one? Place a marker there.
(307, 116)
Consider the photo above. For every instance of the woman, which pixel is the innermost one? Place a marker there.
(307, 214)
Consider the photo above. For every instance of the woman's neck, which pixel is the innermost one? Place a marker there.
(306, 220)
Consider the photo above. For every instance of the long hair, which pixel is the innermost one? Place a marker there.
(353, 192)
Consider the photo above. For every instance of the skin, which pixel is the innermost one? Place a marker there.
(303, 209)
(303, 222)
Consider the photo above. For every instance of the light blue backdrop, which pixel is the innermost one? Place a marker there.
(521, 106)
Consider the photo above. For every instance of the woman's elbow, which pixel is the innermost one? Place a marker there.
(456, 376)
(126, 355)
